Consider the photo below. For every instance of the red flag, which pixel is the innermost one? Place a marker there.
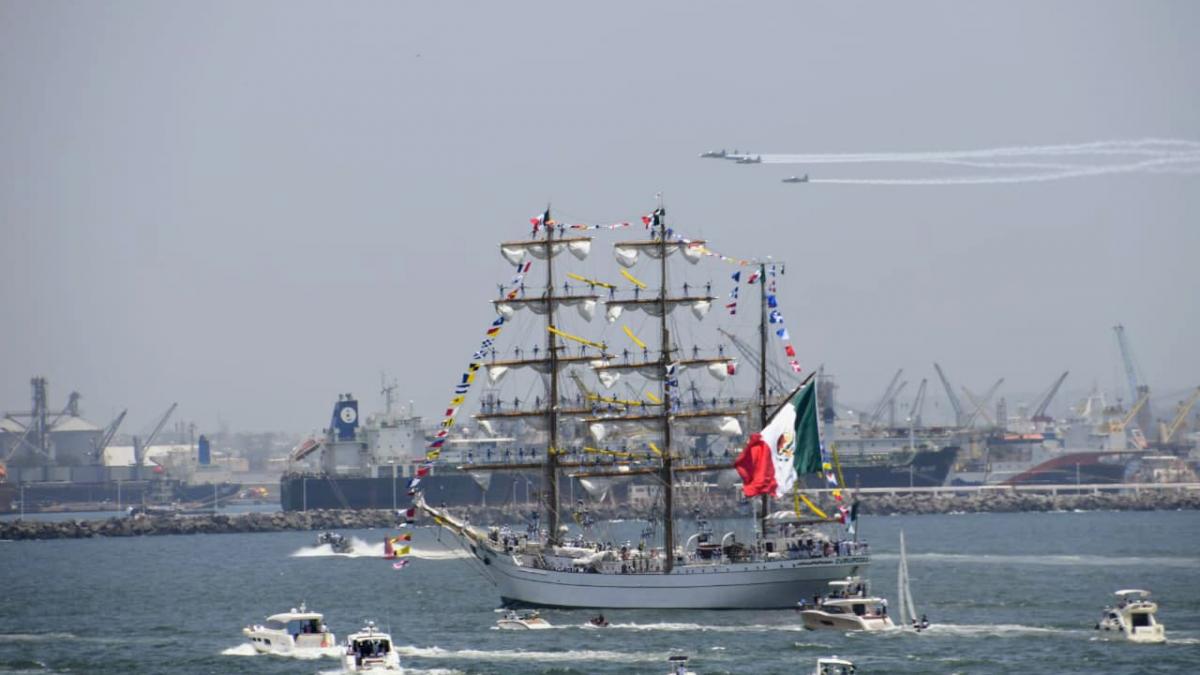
(789, 351)
(756, 468)
(422, 472)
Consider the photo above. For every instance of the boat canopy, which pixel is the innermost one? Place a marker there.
(295, 616)
(1133, 591)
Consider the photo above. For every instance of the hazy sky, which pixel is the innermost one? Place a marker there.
(251, 207)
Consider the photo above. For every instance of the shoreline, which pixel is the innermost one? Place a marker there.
(874, 505)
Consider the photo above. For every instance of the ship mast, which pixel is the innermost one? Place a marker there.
(550, 468)
(667, 474)
(762, 379)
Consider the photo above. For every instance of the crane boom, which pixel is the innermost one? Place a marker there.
(1131, 374)
(914, 413)
(982, 403)
(954, 403)
(1180, 416)
(883, 400)
(751, 354)
(162, 422)
(109, 432)
(1039, 410)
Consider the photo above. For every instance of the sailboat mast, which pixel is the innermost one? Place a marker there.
(550, 468)
(762, 378)
(668, 478)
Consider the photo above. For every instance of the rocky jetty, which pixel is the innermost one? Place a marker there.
(990, 501)
(197, 524)
(1007, 501)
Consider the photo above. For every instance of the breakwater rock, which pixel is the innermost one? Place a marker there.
(197, 524)
(1009, 501)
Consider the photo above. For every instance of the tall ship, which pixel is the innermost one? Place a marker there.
(657, 430)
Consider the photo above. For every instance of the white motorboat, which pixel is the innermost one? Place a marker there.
(679, 665)
(289, 632)
(527, 620)
(337, 542)
(370, 649)
(1132, 619)
(848, 607)
(834, 666)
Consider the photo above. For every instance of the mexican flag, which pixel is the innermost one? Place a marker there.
(794, 439)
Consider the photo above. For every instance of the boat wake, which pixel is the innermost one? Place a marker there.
(359, 549)
(302, 655)
(37, 637)
(1050, 560)
(707, 628)
(570, 655)
(994, 631)
(363, 549)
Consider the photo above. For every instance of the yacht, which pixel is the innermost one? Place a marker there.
(1132, 619)
(848, 607)
(370, 649)
(526, 620)
(289, 632)
(834, 666)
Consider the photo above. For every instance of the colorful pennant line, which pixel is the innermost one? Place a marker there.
(434, 450)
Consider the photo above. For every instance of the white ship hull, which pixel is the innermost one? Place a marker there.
(757, 585)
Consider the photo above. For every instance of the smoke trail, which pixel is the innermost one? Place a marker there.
(1150, 147)
(1177, 164)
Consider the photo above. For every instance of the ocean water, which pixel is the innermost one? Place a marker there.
(1007, 593)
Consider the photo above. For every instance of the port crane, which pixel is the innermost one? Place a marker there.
(139, 447)
(954, 403)
(107, 436)
(889, 395)
(1043, 401)
(1133, 376)
(1167, 431)
(918, 405)
(981, 403)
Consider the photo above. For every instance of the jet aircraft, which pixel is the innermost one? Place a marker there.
(747, 159)
(796, 179)
(715, 154)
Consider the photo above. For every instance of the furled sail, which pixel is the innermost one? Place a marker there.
(654, 307)
(515, 251)
(627, 252)
(584, 304)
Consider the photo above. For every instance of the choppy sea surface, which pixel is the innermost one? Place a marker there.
(1006, 593)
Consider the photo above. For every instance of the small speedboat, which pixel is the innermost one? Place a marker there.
(834, 666)
(1132, 619)
(598, 621)
(679, 665)
(848, 607)
(289, 632)
(526, 620)
(370, 649)
(337, 542)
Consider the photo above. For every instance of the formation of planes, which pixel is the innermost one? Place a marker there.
(739, 158)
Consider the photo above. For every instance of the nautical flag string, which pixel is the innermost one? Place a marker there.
(732, 306)
(434, 450)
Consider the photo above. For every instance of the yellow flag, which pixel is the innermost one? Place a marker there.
(458, 400)
(633, 337)
(653, 399)
(655, 449)
(813, 507)
(634, 280)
